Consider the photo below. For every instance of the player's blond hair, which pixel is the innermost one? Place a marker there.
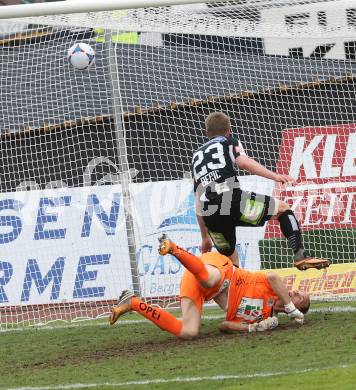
(217, 123)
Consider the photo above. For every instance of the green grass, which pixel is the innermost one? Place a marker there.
(96, 353)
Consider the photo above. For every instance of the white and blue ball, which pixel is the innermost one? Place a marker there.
(81, 56)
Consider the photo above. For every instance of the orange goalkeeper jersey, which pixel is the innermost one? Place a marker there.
(251, 297)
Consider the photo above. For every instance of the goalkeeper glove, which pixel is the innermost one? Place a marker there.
(267, 324)
(293, 312)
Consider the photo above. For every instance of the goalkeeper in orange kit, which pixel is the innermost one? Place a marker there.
(251, 300)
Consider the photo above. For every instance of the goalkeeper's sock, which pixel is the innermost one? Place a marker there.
(191, 262)
(162, 318)
(291, 230)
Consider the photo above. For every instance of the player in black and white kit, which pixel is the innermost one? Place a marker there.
(221, 204)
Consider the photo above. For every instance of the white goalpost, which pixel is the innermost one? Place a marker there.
(96, 162)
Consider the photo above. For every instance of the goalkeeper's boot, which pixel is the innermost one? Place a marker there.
(166, 245)
(303, 262)
(123, 306)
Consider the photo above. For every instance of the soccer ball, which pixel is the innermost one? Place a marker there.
(81, 56)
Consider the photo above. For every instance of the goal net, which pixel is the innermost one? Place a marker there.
(96, 163)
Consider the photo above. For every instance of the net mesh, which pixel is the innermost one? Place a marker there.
(96, 163)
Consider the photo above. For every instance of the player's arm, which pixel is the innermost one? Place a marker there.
(255, 168)
(232, 326)
(206, 244)
(280, 289)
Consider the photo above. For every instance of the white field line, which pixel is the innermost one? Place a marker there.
(88, 323)
(180, 379)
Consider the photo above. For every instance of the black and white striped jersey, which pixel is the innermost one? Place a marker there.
(214, 166)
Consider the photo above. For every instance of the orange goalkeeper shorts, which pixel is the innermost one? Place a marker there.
(191, 288)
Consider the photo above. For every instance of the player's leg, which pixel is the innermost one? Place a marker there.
(191, 318)
(162, 318)
(225, 242)
(257, 209)
(207, 276)
(221, 226)
(187, 328)
(234, 257)
(290, 228)
(222, 232)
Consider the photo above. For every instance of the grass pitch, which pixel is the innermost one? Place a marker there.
(136, 355)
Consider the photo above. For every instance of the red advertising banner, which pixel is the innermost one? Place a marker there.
(323, 160)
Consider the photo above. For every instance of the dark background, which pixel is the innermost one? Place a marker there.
(55, 120)
(160, 142)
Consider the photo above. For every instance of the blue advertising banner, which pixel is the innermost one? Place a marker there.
(62, 245)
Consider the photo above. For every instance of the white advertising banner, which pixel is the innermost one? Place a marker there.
(163, 207)
(63, 245)
(8, 28)
(168, 207)
(70, 245)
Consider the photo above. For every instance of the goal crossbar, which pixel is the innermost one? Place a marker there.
(72, 7)
(97, 162)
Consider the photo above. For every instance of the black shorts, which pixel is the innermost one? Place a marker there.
(239, 208)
